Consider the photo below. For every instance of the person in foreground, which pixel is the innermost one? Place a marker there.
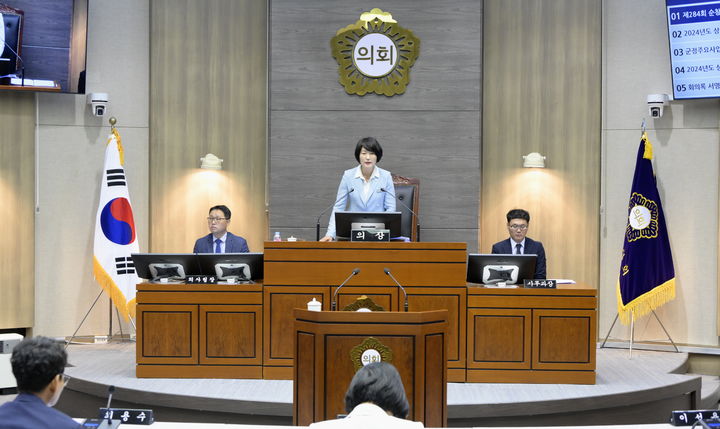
(361, 187)
(518, 222)
(375, 399)
(220, 240)
(38, 364)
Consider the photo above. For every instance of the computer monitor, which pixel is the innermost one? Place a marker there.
(236, 266)
(496, 268)
(345, 222)
(171, 266)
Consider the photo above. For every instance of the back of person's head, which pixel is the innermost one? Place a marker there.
(222, 208)
(380, 384)
(371, 145)
(518, 214)
(36, 362)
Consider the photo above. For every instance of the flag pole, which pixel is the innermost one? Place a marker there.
(110, 307)
(112, 265)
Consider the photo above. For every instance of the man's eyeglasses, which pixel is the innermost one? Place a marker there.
(65, 379)
(216, 219)
(518, 227)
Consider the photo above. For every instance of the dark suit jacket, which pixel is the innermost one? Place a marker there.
(233, 244)
(29, 411)
(532, 247)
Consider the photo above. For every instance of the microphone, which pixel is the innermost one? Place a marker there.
(22, 67)
(317, 223)
(111, 390)
(406, 206)
(333, 306)
(387, 271)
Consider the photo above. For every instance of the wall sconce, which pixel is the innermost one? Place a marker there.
(533, 160)
(211, 162)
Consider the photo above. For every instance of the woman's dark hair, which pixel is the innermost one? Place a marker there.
(224, 209)
(35, 362)
(380, 384)
(370, 144)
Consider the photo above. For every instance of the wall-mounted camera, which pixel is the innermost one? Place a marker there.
(656, 103)
(98, 102)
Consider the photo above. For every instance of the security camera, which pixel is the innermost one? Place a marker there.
(656, 103)
(98, 102)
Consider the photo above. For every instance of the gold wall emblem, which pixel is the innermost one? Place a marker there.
(369, 351)
(375, 54)
(363, 302)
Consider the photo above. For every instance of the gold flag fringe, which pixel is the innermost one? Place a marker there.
(648, 154)
(646, 302)
(121, 150)
(126, 309)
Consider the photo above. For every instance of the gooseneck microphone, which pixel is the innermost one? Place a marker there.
(333, 305)
(407, 207)
(111, 390)
(387, 271)
(22, 63)
(317, 223)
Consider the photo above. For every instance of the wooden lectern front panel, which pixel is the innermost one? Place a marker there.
(564, 339)
(340, 370)
(500, 338)
(435, 386)
(231, 334)
(169, 334)
(279, 322)
(450, 299)
(304, 387)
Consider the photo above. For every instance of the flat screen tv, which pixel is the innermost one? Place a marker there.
(236, 266)
(173, 267)
(694, 40)
(496, 268)
(345, 222)
(43, 45)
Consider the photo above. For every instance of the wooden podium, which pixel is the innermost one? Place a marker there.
(432, 273)
(329, 346)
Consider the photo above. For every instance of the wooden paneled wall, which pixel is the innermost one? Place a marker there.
(431, 132)
(542, 93)
(208, 92)
(17, 217)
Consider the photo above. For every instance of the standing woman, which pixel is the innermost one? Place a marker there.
(361, 187)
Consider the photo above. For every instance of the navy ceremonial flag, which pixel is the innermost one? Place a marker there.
(647, 275)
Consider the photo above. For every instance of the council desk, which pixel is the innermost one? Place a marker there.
(246, 331)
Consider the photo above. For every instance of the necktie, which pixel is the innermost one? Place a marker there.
(218, 242)
(518, 249)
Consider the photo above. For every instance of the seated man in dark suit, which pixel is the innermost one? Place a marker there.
(220, 240)
(518, 223)
(38, 365)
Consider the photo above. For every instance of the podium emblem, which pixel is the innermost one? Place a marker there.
(369, 351)
(363, 303)
(375, 54)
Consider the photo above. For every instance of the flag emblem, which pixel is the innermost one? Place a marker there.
(117, 221)
(642, 219)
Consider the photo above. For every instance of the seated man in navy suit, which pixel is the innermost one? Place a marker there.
(220, 240)
(38, 364)
(518, 223)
